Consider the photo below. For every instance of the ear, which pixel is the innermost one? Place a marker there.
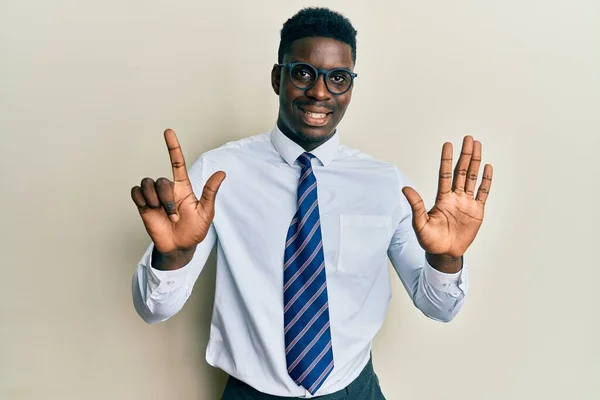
(276, 78)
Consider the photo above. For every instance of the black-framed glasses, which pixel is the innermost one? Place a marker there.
(304, 76)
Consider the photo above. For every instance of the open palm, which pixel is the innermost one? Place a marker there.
(453, 222)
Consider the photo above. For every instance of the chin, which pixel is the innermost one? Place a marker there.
(314, 134)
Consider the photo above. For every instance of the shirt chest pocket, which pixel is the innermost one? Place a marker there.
(364, 240)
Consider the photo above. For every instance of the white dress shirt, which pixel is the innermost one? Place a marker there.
(365, 219)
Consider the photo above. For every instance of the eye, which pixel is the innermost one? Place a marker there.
(339, 78)
(303, 73)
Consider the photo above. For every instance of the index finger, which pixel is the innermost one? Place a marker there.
(180, 174)
(445, 178)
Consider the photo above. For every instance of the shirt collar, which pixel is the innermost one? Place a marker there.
(290, 151)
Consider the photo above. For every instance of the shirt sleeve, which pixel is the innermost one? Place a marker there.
(158, 295)
(437, 294)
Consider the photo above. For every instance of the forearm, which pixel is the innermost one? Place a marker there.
(162, 283)
(440, 295)
(155, 299)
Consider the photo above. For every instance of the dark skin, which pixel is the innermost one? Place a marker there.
(177, 221)
(322, 53)
(447, 230)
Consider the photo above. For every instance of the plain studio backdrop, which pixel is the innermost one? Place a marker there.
(87, 89)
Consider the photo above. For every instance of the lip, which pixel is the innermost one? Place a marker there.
(316, 110)
(314, 122)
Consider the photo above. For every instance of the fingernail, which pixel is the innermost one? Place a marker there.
(174, 217)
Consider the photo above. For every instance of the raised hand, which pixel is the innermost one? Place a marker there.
(453, 222)
(174, 218)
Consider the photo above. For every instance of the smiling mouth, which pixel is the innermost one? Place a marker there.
(316, 115)
(315, 119)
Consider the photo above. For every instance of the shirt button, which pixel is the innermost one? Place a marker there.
(170, 282)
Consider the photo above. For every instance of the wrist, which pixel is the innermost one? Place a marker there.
(445, 263)
(172, 260)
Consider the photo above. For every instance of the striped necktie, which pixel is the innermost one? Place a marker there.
(306, 312)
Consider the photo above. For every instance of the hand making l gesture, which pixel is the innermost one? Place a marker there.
(454, 220)
(174, 218)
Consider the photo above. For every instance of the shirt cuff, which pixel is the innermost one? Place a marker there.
(449, 283)
(163, 281)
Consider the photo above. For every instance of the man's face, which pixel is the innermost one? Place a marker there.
(301, 111)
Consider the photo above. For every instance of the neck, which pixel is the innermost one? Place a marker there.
(307, 144)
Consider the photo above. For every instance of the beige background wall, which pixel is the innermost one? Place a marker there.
(88, 87)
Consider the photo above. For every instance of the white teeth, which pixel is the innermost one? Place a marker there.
(315, 115)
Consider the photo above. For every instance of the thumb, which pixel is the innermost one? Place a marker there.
(420, 216)
(209, 193)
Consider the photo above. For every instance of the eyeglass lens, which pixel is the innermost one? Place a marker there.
(304, 76)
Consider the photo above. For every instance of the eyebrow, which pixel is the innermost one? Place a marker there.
(295, 60)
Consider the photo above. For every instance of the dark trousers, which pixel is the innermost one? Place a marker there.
(364, 387)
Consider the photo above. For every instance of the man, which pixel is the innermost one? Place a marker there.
(304, 227)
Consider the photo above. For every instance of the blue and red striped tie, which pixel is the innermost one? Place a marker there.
(306, 312)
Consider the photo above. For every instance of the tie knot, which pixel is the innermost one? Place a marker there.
(305, 159)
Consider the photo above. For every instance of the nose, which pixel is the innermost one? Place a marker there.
(319, 90)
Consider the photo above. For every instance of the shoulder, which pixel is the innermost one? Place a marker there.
(255, 145)
(249, 145)
(228, 155)
(355, 158)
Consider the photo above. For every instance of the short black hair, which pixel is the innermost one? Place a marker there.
(316, 22)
